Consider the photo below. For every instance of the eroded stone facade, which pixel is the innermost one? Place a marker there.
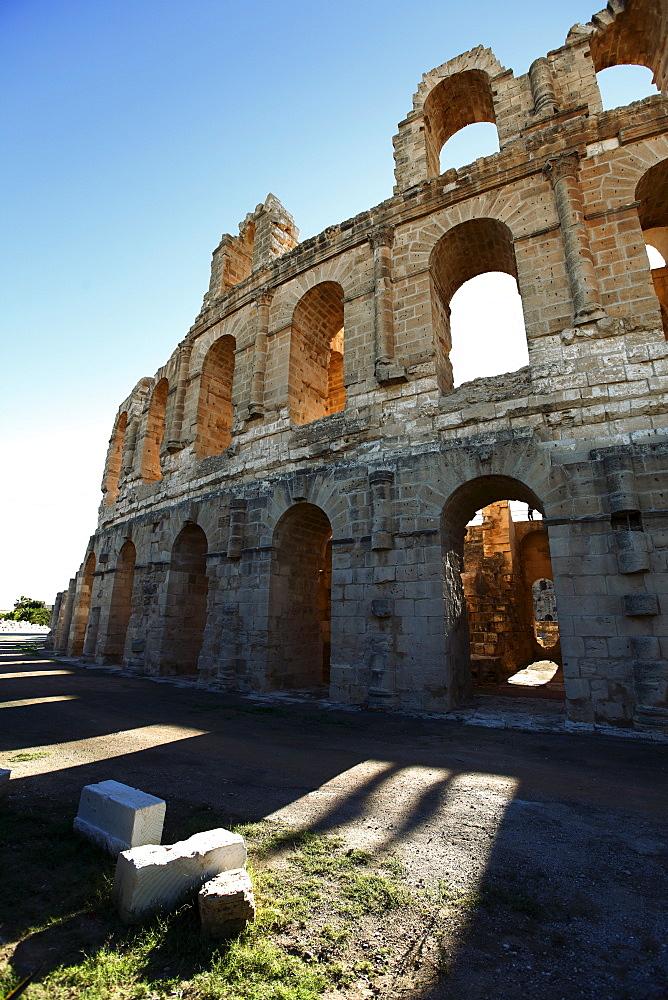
(286, 499)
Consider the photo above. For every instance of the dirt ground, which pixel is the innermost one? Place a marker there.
(549, 849)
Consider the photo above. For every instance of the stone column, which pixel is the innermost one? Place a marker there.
(262, 304)
(129, 450)
(55, 616)
(542, 87)
(235, 538)
(174, 436)
(386, 370)
(381, 504)
(61, 643)
(563, 173)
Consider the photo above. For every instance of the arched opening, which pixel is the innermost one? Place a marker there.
(460, 100)
(300, 600)
(155, 432)
(316, 354)
(468, 145)
(654, 257)
(636, 37)
(185, 605)
(121, 603)
(470, 251)
(652, 194)
(85, 629)
(622, 85)
(214, 410)
(494, 550)
(487, 328)
(115, 458)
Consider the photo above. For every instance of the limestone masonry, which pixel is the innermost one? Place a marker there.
(286, 499)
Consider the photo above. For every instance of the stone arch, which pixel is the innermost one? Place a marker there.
(115, 458)
(457, 101)
(482, 492)
(631, 33)
(478, 58)
(319, 489)
(81, 639)
(652, 194)
(240, 327)
(317, 333)
(344, 271)
(453, 95)
(215, 411)
(154, 433)
(470, 249)
(299, 623)
(185, 607)
(121, 603)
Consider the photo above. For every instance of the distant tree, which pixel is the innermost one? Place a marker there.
(27, 610)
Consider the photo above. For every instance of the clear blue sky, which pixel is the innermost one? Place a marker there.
(135, 132)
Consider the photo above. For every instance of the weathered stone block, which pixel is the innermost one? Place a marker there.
(226, 904)
(632, 554)
(641, 605)
(152, 878)
(117, 817)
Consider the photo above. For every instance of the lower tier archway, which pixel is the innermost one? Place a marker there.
(300, 600)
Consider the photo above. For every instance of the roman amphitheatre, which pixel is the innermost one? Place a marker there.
(287, 500)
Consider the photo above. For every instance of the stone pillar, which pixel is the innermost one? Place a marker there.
(68, 609)
(381, 504)
(129, 448)
(262, 304)
(235, 538)
(174, 434)
(55, 615)
(563, 173)
(386, 370)
(92, 629)
(542, 87)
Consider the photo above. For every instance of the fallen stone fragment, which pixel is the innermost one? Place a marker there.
(118, 817)
(152, 878)
(4, 781)
(226, 904)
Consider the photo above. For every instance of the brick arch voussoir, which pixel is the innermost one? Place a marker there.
(448, 220)
(170, 529)
(514, 462)
(618, 188)
(176, 526)
(328, 498)
(293, 293)
(240, 327)
(478, 58)
(115, 542)
(207, 520)
(316, 494)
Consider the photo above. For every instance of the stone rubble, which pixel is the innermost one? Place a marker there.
(226, 904)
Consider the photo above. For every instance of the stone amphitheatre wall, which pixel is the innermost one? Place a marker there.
(285, 500)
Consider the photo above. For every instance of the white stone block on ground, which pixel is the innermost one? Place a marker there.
(226, 904)
(118, 817)
(4, 781)
(154, 878)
